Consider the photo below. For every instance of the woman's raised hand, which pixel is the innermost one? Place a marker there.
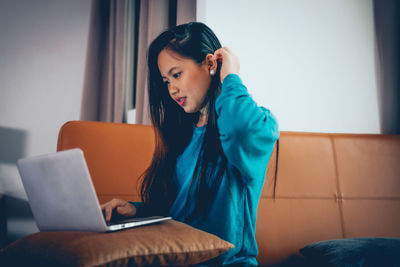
(122, 207)
(230, 62)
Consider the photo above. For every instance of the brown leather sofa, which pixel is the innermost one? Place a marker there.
(329, 186)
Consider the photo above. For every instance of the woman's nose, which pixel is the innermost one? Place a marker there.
(173, 89)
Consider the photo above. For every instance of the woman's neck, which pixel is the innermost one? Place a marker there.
(203, 117)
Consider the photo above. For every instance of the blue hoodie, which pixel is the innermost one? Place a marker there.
(248, 134)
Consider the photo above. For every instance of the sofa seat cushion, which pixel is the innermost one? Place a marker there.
(374, 251)
(162, 244)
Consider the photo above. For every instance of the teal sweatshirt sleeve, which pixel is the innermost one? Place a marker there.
(247, 132)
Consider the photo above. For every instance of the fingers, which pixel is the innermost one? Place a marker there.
(230, 62)
(108, 207)
(108, 212)
(224, 49)
(123, 210)
(221, 52)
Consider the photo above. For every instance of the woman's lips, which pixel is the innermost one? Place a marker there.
(181, 100)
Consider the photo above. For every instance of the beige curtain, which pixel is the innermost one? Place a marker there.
(153, 20)
(155, 17)
(186, 11)
(387, 21)
(109, 63)
(116, 64)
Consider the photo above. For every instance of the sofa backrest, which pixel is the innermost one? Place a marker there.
(328, 185)
(116, 154)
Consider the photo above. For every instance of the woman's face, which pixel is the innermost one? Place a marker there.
(187, 81)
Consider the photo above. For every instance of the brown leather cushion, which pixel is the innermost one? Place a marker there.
(166, 243)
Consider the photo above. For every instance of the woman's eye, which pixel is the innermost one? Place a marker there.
(176, 75)
(166, 82)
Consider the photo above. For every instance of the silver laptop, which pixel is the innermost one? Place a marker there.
(62, 197)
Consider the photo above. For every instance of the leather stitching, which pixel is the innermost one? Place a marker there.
(338, 195)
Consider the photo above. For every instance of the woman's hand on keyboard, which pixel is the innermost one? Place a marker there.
(122, 207)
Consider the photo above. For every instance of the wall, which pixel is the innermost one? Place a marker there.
(42, 58)
(311, 62)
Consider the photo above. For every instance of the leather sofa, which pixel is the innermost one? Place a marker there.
(329, 186)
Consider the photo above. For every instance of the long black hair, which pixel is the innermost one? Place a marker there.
(174, 127)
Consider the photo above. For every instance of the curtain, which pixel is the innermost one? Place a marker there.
(155, 17)
(120, 33)
(186, 11)
(108, 81)
(387, 31)
(153, 20)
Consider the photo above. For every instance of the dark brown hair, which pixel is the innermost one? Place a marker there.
(174, 127)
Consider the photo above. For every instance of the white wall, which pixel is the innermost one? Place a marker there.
(311, 62)
(42, 58)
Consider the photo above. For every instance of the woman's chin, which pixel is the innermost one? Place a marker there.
(189, 110)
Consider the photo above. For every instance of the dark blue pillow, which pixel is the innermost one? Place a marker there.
(371, 252)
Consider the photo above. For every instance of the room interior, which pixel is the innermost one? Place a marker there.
(327, 80)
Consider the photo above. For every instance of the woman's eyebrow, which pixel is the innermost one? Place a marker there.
(170, 71)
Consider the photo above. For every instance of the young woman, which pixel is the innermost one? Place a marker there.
(213, 142)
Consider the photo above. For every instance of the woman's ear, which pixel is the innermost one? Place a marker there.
(211, 62)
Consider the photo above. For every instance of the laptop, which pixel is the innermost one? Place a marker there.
(62, 196)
